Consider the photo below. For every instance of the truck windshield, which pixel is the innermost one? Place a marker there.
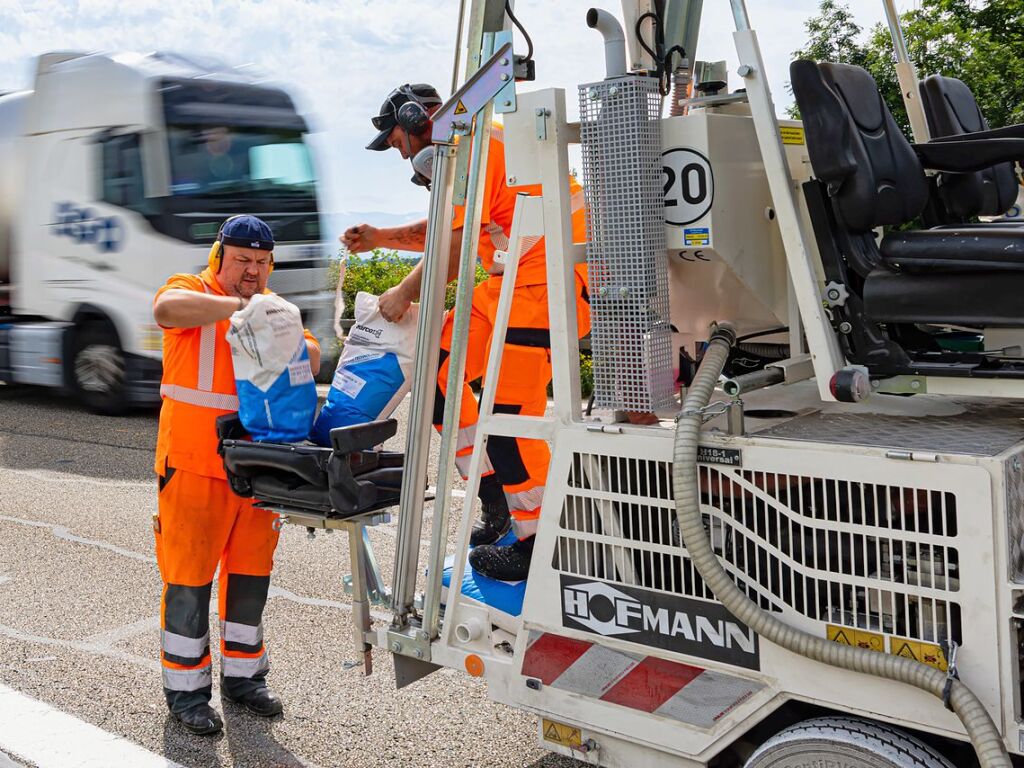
(218, 161)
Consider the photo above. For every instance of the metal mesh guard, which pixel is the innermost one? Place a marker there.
(620, 132)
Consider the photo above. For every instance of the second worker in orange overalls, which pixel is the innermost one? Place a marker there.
(516, 469)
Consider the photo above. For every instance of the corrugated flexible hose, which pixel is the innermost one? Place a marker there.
(982, 731)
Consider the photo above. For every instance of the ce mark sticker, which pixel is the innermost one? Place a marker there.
(689, 185)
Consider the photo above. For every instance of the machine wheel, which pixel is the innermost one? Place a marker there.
(97, 370)
(845, 741)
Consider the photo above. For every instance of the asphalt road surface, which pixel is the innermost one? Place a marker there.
(79, 628)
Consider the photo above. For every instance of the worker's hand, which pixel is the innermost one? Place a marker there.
(361, 237)
(394, 303)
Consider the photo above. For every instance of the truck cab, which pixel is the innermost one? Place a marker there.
(119, 170)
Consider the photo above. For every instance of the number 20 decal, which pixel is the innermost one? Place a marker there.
(689, 185)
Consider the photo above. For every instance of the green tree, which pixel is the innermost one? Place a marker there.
(980, 42)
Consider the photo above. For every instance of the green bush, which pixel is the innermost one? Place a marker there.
(376, 272)
(379, 270)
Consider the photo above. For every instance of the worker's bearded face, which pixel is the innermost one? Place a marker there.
(406, 143)
(244, 271)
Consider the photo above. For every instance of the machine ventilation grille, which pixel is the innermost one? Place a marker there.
(872, 556)
(631, 338)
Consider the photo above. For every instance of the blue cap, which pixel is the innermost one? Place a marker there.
(247, 231)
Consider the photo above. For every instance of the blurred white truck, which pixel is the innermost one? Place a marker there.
(117, 170)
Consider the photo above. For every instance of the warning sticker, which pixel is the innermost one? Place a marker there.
(926, 653)
(563, 735)
(871, 641)
(792, 134)
(696, 236)
(460, 109)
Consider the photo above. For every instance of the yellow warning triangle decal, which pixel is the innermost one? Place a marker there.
(841, 638)
(906, 652)
(460, 108)
(552, 732)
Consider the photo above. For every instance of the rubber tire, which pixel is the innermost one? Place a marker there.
(846, 741)
(108, 402)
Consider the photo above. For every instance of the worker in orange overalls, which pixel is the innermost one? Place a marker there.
(201, 523)
(516, 469)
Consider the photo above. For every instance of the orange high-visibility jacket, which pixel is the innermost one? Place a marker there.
(198, 385)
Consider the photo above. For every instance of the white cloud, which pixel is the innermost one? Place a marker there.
(341, 57)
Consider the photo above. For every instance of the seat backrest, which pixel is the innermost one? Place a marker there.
(951, 109)
(855, 147)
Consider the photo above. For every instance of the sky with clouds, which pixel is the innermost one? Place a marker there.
(339, 58)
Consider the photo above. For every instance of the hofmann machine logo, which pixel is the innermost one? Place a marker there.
(669, 622)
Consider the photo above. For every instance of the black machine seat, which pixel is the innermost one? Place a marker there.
(867, 175)
(954, 250)
(966, 298)
(951, 110)
(347, 479)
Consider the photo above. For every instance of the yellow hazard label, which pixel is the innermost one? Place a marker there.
(926, 653)
(871, 641)
(460, 108)
(792, 134)
(563, 735)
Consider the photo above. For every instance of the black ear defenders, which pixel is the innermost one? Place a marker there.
(412, 116)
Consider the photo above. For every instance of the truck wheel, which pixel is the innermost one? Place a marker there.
(845, 741)
(98, 369)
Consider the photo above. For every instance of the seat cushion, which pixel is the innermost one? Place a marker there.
(962, 249)
(979, 299)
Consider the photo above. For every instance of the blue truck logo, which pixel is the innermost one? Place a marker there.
(82, 225)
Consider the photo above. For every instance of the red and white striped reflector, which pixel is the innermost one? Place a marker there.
(650, 684)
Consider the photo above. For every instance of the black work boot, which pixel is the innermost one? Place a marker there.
(511, 563)
(495, 521)
(260, 701)
(201, 719)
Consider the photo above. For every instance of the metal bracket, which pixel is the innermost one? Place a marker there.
(412, 642)
(901, 385)
(376, 590)
(505, 99)
(542, 114)
(455, 117)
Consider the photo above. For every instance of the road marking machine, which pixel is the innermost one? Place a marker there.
(816, 556)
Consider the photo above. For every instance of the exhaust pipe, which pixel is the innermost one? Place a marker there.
(614, 41)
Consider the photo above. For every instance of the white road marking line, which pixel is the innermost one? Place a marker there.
(63, 533)
(116, 635)
(77, 645)
(33, 730)
(51, 476)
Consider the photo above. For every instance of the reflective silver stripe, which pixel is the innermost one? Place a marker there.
(233, 666)
(526, 243)
(463, 445)
(233, 632)
(577, 201)
(202, 399)
(207, 345)
(523, 529)
(498, 237)
(525, 501)
(186, 647)
(187, 679)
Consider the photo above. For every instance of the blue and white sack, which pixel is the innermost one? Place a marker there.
(374, 370)
(276, 392)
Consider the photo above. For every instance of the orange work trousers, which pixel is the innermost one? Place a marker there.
(202, 524)
(520, 464)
